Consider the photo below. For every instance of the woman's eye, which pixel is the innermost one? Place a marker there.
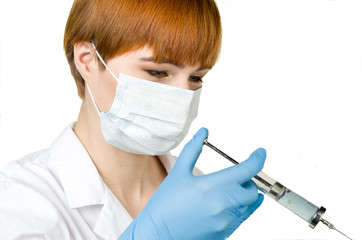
(196, 78)
(159, 74)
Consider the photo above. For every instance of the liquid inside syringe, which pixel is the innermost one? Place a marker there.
(289, 199)
(284, 196)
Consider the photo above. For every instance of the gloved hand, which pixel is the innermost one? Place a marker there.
(199, 207)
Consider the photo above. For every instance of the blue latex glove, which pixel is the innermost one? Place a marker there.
(199, 207)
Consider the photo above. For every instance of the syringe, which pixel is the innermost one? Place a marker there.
(286, 197)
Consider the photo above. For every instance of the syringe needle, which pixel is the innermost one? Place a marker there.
(331, 226)
(343, 234)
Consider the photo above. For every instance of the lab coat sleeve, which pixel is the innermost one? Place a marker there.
(28, 214)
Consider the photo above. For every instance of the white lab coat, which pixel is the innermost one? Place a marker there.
(57, 193)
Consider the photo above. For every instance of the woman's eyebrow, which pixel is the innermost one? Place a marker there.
(167, 61)
(152, 59)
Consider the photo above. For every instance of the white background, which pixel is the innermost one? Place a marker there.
(289, 79)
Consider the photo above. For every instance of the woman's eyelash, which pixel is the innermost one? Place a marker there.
(161, 74)
(196, 78)
(156, 73)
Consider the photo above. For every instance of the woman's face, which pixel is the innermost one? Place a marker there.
(140, 64)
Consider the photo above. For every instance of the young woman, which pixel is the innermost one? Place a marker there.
(138, 66)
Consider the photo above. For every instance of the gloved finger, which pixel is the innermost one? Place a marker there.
(249, 185)
(242, 172)
(246, 211)
(248, 194)
(191, 152)
(236, 196)
(256, 204)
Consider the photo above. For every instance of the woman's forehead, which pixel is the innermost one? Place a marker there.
(147, 54)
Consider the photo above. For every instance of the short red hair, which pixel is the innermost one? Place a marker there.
(183, 31)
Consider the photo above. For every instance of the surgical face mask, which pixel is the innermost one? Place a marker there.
(147, 117)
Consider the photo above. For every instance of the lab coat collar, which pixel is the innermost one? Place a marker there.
(83, 186)
(113, 219)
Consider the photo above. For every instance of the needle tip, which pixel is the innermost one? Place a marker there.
(331, 226)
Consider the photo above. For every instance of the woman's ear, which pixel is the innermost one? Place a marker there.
(84, 60)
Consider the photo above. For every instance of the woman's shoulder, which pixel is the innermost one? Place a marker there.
(26, 162)
(25, 170)
(28, 200)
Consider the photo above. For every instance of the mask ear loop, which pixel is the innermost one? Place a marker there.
(109, 70)
(100, 58)
(94, 102)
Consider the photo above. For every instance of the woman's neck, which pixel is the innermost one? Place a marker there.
(131, 177)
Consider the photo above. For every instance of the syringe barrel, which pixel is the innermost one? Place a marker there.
(289, 199)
